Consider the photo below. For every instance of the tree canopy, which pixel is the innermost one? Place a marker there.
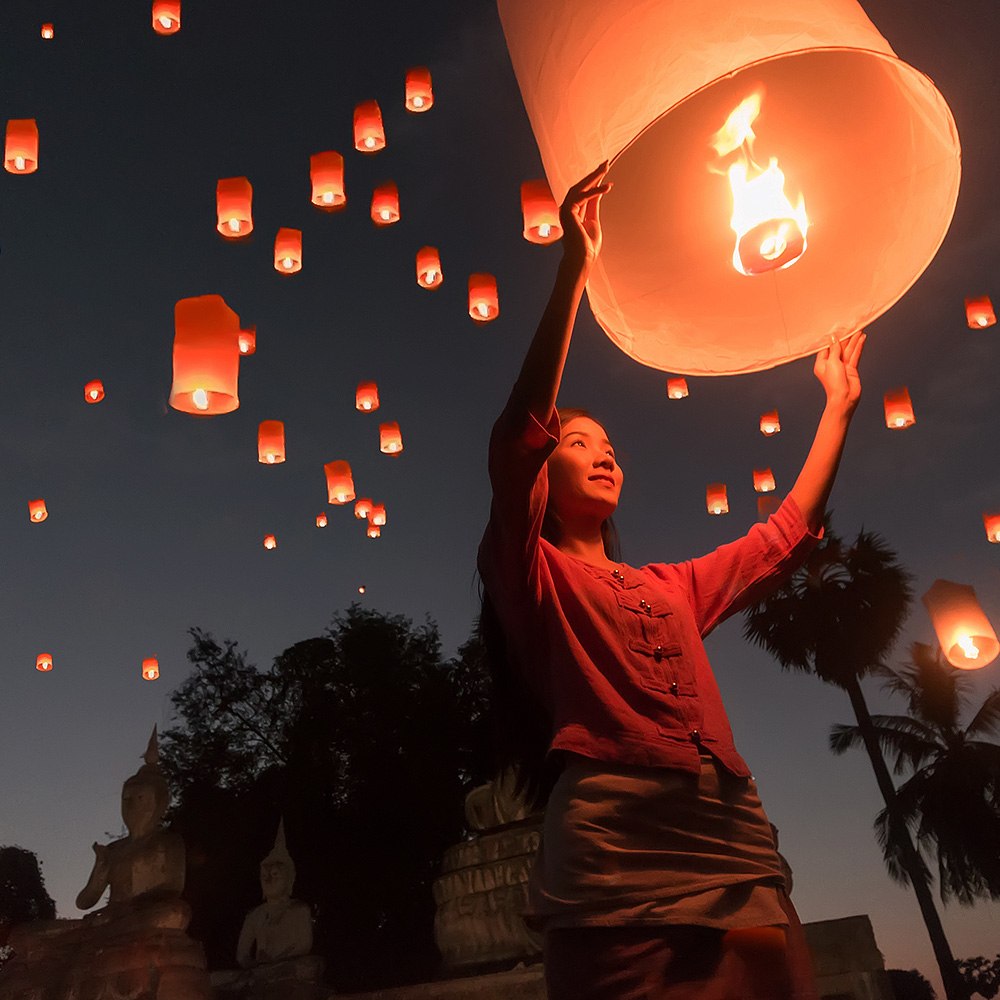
(23, 896)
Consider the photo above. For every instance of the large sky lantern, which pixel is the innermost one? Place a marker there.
(326, 174)
(93, 391)
(206, 356)
(339, 482)
(150, 668)
(369, 135)
(234, 207)
(271, 442)
(363, 508)
(677, 388)
(419, 92)
(716, 498)
(385, 204)
(43, 662)
(37, 511)
(967, 638)
(288, 251)
(166, 16)
(991, 522)
(366, 397)
(246, 340)
(770, 423)
(898, 409)
(20, 151)
(861, 139)
(484, 300)
(540, 212)
(763, 481)
(429, 273)
(390, 440)
(979, 313)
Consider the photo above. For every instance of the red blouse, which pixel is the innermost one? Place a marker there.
(616, 656)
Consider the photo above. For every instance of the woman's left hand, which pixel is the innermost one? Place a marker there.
(836, 368)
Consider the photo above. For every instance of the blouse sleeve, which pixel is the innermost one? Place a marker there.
(745, 571)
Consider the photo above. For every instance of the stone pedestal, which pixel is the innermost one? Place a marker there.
(296, 979)
(514, 984)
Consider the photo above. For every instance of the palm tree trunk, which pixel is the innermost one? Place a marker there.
(954, 987)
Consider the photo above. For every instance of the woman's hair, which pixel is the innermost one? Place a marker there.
(522, 729)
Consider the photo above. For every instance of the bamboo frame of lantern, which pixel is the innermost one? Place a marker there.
(484, 300)
(770, 424)
(366, 397)
(166, 16)
(247, 341)
(677, 388)
(37, 511)
(43, 662)
(20, 151)
(326, 174)
(270, 542)
(271, 442)
(979, 313)
(390, 440)
(363, 508)
(48, 31)
(419, 90)
(321, 520)
(967, 638)
(540, 213)
(234, 207)
(206, 356)
(385, 204)
(716, 498)
(339, 482)
(429, 273)
(898, 409)
(150, 668)
(288, 251)
(93, 391)
(991, 522)
(369, 133)
(763, 481)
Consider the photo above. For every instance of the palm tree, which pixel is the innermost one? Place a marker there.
(838, 616)
(951, 801)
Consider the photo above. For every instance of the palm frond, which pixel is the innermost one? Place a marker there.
(987, 720)
(911, 742)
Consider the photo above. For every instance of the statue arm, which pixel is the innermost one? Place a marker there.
(100, 877)
(245, 956)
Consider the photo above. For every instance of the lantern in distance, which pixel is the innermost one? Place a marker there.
(363, 508)
(429, 274)
(37, 511)
(374, 531)
(419, 93)
(979, 313)
(326, 173)
(48, 31)
(377, 515)
(677, 388)
(716, 499)
(93, 391)
(20, 152)
(166, 16)
(321, 520)
(362, 588)
(288, 251)
(270, 542)
(206, 356)
(967, 638)
(150, 668)
(898, 409)
(484, 303)
(763, 480)
(541, 213)
(385, 204)
(366, 397)
(247, 340)
(234, 207)
(339, 482)
(769, 423)
(991, 522)
(369, 135)
(767, 504)
(271, 442)
(43, 662)
(390, 439)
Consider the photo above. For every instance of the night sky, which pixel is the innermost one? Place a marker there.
(156, 518)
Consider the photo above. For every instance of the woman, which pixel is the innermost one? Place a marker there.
(658, 876)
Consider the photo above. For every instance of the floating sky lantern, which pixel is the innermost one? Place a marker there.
(20, 152)
(540, 212)
(363, 508)
(377, 515)
(763, 480)
(484, 303)
(716, 499)
(339, 482)
(93, 391)
(150, 668)
(166, 16)
(271, 442)
(270, 542)
(247, 340)
(37, 511)
(769, 423)
(419, 93)
(234, 207)
(326, 172)
(865, 139)
(206, 356)
(429, 273)
(321, 520)
(288, 251)
(677, 388)
(48, 31)
(43, 662)
(898, 409)
(767, 504)
(991, 522)
(369, 135)
(390, 439)
(967, 638)
(362, 588)
(373, 530)
(366, 397)
(979, 313)
(385, 204)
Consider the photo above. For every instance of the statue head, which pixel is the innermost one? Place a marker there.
(145, 796)
(277, 870)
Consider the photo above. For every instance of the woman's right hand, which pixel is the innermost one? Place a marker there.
(581, 220)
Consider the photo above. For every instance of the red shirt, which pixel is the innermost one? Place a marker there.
(616, 656)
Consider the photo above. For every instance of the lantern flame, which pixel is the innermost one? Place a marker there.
(200, 399)
(19, 162)
(967, 646)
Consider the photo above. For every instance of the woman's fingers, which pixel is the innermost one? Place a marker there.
(854, 348)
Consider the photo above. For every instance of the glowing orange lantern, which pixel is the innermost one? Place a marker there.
(166, 16)
(677, 388)
(419, 93)
(374, 531)
(270, 542)
(362, 588)
(377, 516)
(769, 423)
(390, 439)
(150, 669)
(484, 303)
(967, 638)
(979, 312)
(247, 340)
(385, 204)
(271, 442)
(37, 511)
(763, 480)
(48, 31)
(326, 172)
(339, 482)
(991, 522)
(716, 499)
(834, 93)
(321, 521)
(429, 274)
(93, 392)
(363, 508)
(541, 213)
(206, 356)
(20, 153)
(43, 662)
(288, 251)
(234, 207)
(369, 136)
(898, 409)
(366, 396)
(767, 504)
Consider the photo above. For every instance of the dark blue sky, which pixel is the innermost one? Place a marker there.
(156, 518)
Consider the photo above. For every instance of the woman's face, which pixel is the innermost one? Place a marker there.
(584, 478)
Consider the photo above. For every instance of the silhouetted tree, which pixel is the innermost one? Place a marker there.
(908, 984)
(982, 975)
(23, 896)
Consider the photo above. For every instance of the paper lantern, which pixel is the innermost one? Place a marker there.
(373, 531)
(206, 356)
(366, 397)
(37, 511)
(716, 499)
(677, 388)
(339, 482)
(270, 542)
(234, 207)
(390, 439)
(247, 340)
(377, 516)
(43, 662)
(369, 136)
(767, 504)
(48, 31)
(763, 480)
(150, 669)
(967, 638)
(898, 409)
(363, 508)
(769, 423)
(865, 138)
(484, 304)
(20, 152)
(321, 520)
(271, 442)
(419, 93)
(429, 274)
(362, 588)
(991, 522)
(979, 312)
(326, 172)
(541, 213)
(385, 204)
(93, 392)
(288, 251)
(166, 16)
